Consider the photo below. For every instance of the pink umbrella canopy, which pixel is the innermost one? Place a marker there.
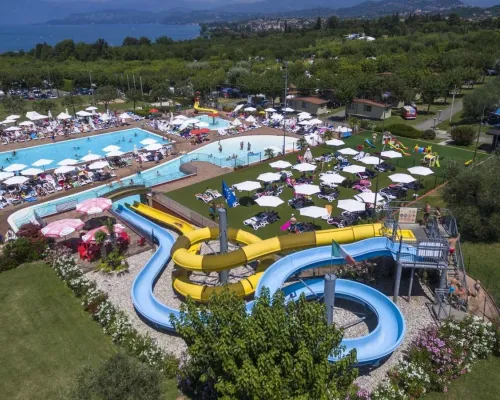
(90, 235)
(61, 228)
(94, 206)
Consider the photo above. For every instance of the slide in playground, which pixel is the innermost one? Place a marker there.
(401, 149)
(200, 109)
(379, 343)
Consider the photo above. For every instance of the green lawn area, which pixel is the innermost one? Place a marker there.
(481, 383)
(46, 338)
(186, 196)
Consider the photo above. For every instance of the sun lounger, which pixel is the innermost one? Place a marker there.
(204, 197)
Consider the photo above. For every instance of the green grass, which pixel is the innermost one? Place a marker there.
(481, 383)
(186, 196)
(46, 338)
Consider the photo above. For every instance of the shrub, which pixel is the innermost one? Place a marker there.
(22, 250)
(429, 134)
(404, 131)
(463, 135)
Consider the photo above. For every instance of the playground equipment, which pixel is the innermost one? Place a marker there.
(184, 251)
(422, 150)
(203, 110)
(379, 343)
(369, 143)
(431, 160)
(395, 144)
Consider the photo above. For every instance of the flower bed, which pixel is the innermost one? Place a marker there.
(435, 358)
(114, 323)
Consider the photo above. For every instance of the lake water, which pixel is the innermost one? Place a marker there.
(25, 37)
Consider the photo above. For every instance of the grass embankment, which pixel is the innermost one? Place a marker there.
(46, 337)
(186, 196)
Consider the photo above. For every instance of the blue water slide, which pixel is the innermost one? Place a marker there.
(379, 343)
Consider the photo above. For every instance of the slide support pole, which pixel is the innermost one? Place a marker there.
(223, 275)
(330, 280)
(411, 283)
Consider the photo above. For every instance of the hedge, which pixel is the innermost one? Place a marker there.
(403, 130)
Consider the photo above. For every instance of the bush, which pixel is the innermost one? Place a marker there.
(120, 377)
(403, 130)
(429, 134)
(463, 135)
(22, 250)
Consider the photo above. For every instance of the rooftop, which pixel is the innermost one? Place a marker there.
(370, 102)
(313, 100)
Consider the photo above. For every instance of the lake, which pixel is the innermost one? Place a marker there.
(25, 37)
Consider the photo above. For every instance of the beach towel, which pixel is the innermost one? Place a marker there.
(286, 226)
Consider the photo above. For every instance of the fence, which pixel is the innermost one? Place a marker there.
(183, 211)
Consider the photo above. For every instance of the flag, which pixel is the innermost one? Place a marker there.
(339, 251)
(228, 195)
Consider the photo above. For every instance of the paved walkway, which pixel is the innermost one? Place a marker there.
(445, 115)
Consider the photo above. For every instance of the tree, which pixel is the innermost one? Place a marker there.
(481, 101)
(317, 26)
(279, 351)
(119, 378)
(133, 95)
(13, 104)
(72, 102)
(160, 90)
(43, 106)
(432, 88)
(346, 89)
(463, 135)
(105, 95)
(269, 153)
(474, 200)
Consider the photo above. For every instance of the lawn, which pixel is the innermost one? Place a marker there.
(186, 196)
(46, 337)
(481, 383)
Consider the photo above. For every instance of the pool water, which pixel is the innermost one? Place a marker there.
(77, 148)
(219, 122)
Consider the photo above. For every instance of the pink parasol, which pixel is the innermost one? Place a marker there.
(63, 227)
(94, 206)
(90, 235)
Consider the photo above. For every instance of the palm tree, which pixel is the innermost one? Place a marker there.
(100, 238)
(328, 135)
(109, 223)
(269, 153)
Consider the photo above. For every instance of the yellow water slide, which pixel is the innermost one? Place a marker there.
(200, 109)
(185, 250)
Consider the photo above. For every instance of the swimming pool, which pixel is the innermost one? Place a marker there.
(219, 122)
(77, 148)
(163, 173)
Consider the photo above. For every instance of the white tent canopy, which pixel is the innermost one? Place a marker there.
(236, 122)
(12, 129)
(307, 189)
(250, 109)
(369, 197)
(348, 151)
(34, 116)
(280, 164)
(124, 116)
(153, 147)
(391, 154)
(288, 110)
(422, 171)
(63, 116)
(13, 117)
(315, 121)
(5, 175)
(115, 153)
(110, 148)
(270, 110)
(91, 108)
(247, 186)
(335, 142)
(370, 160)
(269, 201)
(91, 157)
(26, 123)
(83, 113)
(251, 119)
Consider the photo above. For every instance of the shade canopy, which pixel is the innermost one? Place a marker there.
(68, 161)
(148, 141)
(13, 117)
(98, 165)
(91, 157)
(422, 171)
(250, 109)
(251, 119)
(31, 171)
(14, 167)
(354, 169)
(64, 169)
(91, 108)
(110, 148)
(16, 180)
(270, 109)
(115, 153)
(269, 201)
(370, 160)
(153, 147)
(236, 122)
(90, 235)
(288, 109)
(369, 197)
(247, 185)
(335, 142)
(34, 116)
(63, 227)
(305, 167)
(12, 129)
(83, 113)
(315, 121)
(63, 116)
(401, 178)
(94, 206)
(391, 154)
(124, 116)
(26, 123)
(42, 162)
(280, 164)
(332, 178)
(351, 205)
(5, 175)
(269, 177)
(307, 189)
(348, 151)
(314, 212)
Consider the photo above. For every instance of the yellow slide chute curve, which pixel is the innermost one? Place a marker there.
(200, 109)
(185, 251)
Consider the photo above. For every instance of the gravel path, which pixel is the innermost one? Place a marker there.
(416, 312)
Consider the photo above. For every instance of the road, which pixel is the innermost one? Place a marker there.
(445, 115)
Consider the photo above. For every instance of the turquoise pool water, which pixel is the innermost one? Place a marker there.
(78, 147)
(162, 173)
(219, 122)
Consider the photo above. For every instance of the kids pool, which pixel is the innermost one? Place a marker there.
(214, 123)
